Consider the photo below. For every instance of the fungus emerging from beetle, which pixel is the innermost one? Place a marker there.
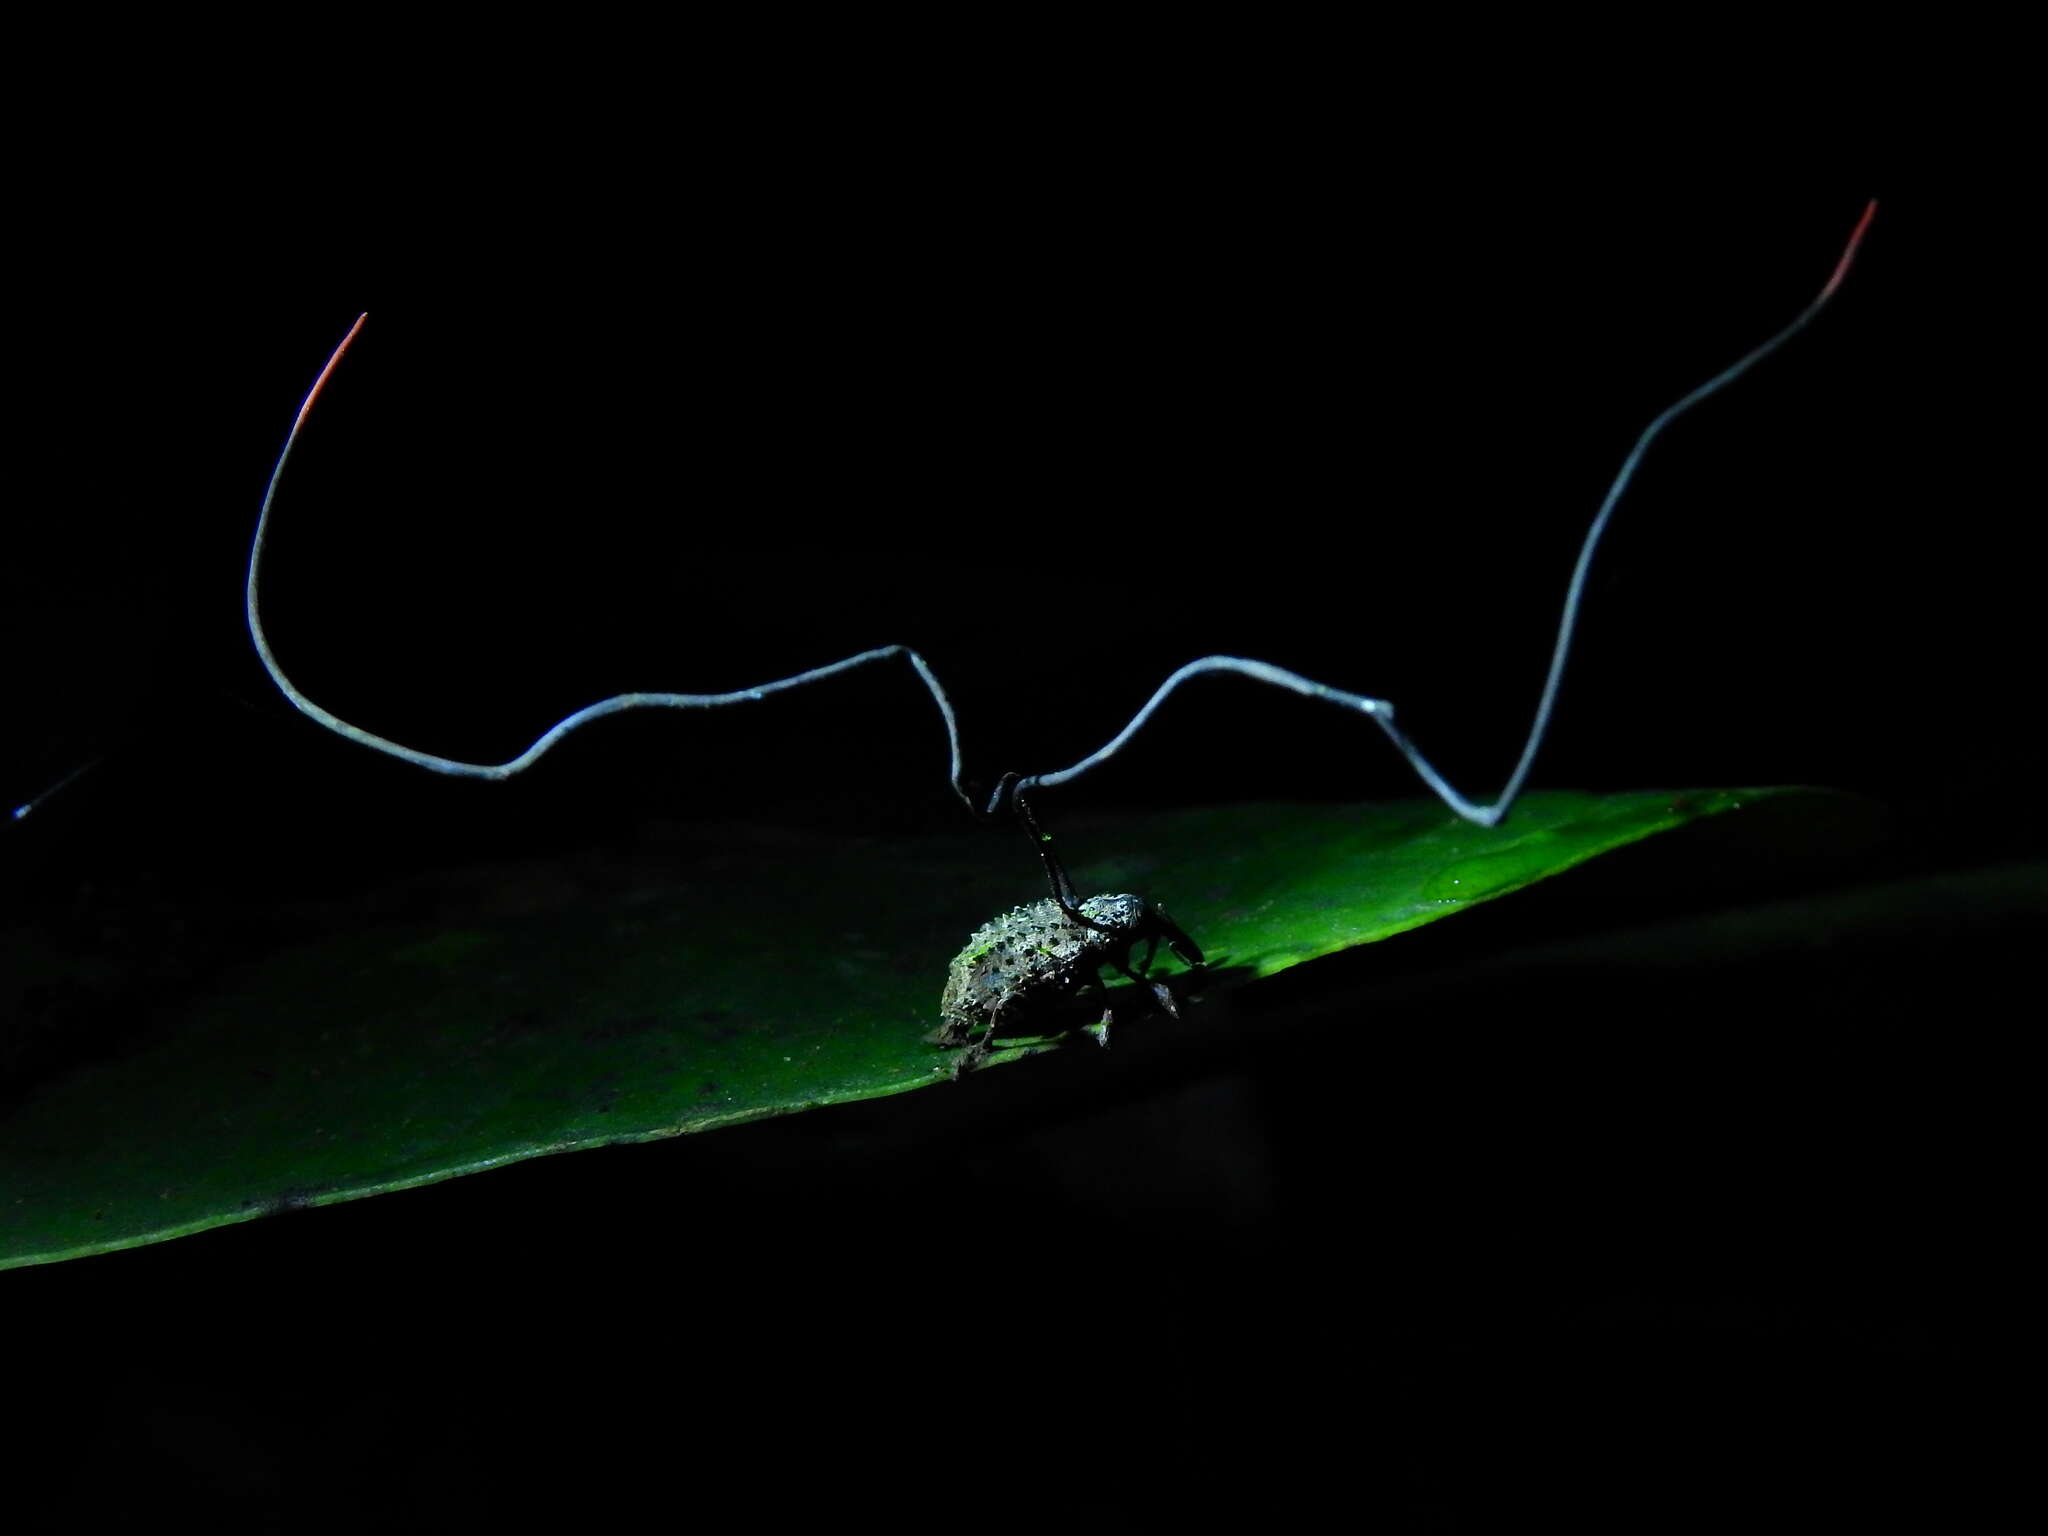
(1034, 963)
(1379, 711)
(1059, 945)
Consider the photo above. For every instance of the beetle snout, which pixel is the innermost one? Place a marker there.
(1176, 940)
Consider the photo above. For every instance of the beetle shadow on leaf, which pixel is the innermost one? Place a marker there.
(1132, 1006)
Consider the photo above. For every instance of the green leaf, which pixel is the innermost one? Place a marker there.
(788, 977)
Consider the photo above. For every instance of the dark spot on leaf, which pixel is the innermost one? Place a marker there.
(711, 1015)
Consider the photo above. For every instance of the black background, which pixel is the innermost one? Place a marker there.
(1711, 1241)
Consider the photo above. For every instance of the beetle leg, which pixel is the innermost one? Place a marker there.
(1151, 949)
(1158, 989)
(1100, 1028)
(978, 1051)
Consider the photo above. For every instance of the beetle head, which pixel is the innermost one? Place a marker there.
(1134, 918)
(1125, 916)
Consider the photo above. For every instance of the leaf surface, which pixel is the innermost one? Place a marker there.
(785, 977)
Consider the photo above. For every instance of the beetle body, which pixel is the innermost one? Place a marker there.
(1030, 965)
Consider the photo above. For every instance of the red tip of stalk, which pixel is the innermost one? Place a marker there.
(320, 383)
(1841, 267)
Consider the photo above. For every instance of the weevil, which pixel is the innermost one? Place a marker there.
(1034, 963)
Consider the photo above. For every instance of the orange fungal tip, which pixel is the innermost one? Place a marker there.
(1849, 252)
